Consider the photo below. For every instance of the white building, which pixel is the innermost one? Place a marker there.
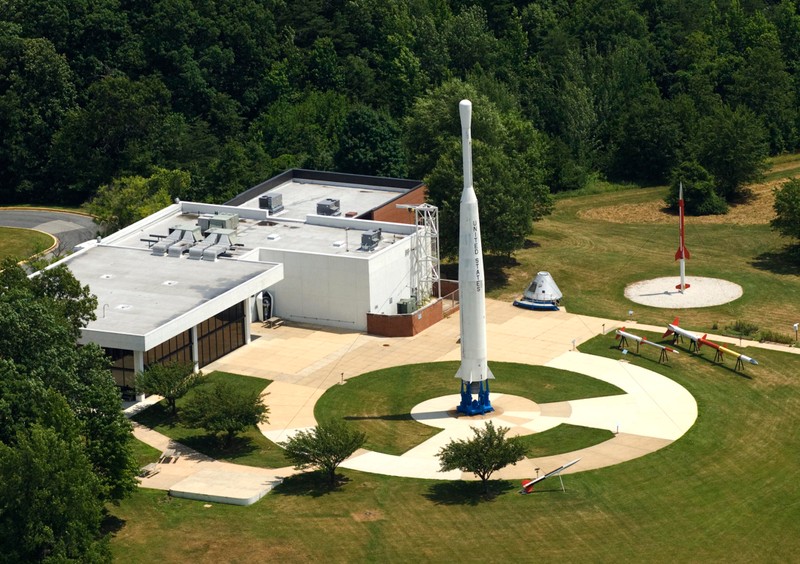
(186, 282)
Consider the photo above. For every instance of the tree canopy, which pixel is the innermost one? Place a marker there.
(324, 447)
(234, 91)
(224, 408)
(64, 442)
(484, 454)
(787, 209)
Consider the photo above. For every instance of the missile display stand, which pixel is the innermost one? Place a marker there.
(623, 344)
(480, 406)
(679, 339)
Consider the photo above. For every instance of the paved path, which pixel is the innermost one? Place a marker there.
(214, 475)
(304, 362)
(69, 229)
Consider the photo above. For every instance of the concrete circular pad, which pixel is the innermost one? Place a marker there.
(702, 292)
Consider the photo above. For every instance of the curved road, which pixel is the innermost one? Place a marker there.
(68, 228)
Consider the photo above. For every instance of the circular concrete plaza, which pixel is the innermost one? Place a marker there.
(652, 412)
(702, 292)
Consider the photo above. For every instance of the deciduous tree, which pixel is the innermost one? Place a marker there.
(787, 209)
(324, 447)
(169, 380)
(223, 408)
(488, 451)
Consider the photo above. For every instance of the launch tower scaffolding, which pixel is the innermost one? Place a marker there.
(425, 252)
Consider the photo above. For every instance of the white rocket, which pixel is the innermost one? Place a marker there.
(471, 282)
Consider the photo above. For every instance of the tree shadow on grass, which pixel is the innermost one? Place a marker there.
(313, 484)
(461, 492)
(213, 446)
(785, 261)
(111, 524)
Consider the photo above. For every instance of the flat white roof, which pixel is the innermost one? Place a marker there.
(150, 298)
(300, 197)
(145, 299)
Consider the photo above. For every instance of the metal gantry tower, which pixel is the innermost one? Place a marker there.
(424, 256)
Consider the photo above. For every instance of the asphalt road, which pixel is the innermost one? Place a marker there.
(69, 228)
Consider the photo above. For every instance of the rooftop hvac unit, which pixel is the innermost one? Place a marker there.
(218, 221)
(328, 206)
(406, 306)
(370, 239)
(273, 203)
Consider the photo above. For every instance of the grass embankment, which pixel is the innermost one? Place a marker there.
(21, 244)
(379, 402)
(250, 447)
(595, 245)
(726, 491)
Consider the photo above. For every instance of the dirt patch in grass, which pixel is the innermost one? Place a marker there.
(757, 211)
(368, 515)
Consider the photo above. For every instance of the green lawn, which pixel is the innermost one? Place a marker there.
(21, 244)
(563, 438)
(380, 402)
(726, 491)
(593, 260)
(250, 447)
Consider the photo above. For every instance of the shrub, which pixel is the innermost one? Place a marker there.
(743, 328)
(775, 337)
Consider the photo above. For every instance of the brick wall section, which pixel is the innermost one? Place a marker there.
(390, 211)
(447, 287)
(406, 325)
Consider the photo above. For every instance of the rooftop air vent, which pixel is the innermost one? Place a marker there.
(328, 206)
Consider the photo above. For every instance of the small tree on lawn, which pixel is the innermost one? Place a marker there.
(224, 408)
(787, 209)
(170, 380)
(325, 447)
(489, 450)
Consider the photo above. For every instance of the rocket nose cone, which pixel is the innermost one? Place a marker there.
(465, 109)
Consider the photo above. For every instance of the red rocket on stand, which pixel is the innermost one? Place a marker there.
(683, 253)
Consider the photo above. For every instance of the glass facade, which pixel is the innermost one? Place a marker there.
(217, 336)
(122, 368)
(176, 349)
(221, 334)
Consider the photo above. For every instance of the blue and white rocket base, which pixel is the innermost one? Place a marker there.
(470, 406)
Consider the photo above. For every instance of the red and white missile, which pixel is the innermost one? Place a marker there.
(471, 282)
(527, 485)
(738, 356)
(683, 253)
(643, 340)
(676, 329)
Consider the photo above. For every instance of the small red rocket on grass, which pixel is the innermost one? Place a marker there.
(683, 253)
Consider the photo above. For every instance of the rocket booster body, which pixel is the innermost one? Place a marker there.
(683, 253)
(471, 279)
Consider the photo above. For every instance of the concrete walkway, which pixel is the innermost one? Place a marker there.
(305, 361)
(193, 475)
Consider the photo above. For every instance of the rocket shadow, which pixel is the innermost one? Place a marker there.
(462, 492)
(712, 361)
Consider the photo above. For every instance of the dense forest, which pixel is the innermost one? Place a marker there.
(229, 92)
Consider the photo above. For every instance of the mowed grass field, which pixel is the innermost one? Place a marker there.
(597, 244)
(20, 244)
(379, 403)
(725, 492)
